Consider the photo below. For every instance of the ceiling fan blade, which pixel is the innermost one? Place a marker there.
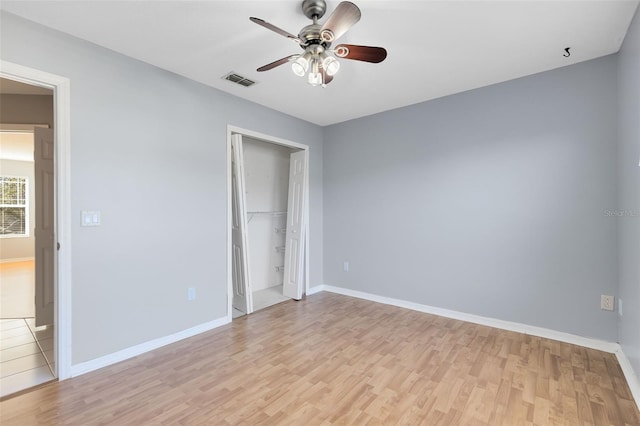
(277, 63)
(345, 15)
(326, 78)
(360, 53)
(273, 28)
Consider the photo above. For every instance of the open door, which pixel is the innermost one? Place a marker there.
(242, 297)
(295, 242)
(45, 225)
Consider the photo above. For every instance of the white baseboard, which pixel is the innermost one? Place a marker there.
(629, 374)
(314, 290)
(104, 361)
(600, 345)
(17, 259)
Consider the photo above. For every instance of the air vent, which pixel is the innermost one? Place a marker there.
(238, 79)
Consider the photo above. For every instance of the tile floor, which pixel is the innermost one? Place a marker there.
(26, 355)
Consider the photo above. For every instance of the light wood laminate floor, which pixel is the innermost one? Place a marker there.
(332, 359)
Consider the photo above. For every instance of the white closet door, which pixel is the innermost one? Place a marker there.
(294, 247)
(44, 227)
(242, 298)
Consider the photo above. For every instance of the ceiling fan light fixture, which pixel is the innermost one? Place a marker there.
(330, 65)
(314, 78)
(300, 66)
(298, 69)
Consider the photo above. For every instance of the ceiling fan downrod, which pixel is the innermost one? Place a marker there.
(314, 9)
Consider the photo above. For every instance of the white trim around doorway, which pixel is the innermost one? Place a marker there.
(62, 130)
(274, 140)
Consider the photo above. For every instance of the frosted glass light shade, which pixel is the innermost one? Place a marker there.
(300, 66)
(315, 78)
(331, 65)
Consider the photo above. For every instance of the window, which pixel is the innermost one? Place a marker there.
(14, 209)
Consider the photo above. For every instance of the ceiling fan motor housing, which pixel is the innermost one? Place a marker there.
(310, 35)
(314, 8)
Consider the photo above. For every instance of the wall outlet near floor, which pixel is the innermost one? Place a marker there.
(191, 293)
(620, 307)
(345, 266)
(606, 302)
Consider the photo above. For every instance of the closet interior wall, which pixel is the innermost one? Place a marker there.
(266, 169)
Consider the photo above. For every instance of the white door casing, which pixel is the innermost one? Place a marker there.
(62, 334)
(44, 225)
(242, 296)
(295, 241)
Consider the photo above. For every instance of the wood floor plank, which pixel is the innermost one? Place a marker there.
(333, 359)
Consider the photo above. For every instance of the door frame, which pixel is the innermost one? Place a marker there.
(277, 141)
(62, 163)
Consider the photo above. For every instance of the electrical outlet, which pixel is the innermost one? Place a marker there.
(620, 307)
(345, 266)
(606, 303)
(191, 293)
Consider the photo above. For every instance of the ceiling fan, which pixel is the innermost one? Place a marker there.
(318, 62)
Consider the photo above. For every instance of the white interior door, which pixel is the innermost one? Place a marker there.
(294, 247)
(45, 225)
(242, 297)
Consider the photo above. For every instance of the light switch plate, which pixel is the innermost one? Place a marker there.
(90, 218)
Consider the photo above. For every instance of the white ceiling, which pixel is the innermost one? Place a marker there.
(436, 48)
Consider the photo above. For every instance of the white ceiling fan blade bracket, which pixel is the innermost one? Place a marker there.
(341, 51)
(327, 35)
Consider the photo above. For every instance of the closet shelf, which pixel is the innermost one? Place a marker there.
(272, 213)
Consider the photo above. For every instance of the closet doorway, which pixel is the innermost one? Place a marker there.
(268, 226)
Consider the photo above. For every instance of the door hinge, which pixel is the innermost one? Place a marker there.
(58, 246)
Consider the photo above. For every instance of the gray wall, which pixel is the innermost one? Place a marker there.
(26, 109)
(489, 202)
(148, 150)
(20, 247)
(629, 192)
